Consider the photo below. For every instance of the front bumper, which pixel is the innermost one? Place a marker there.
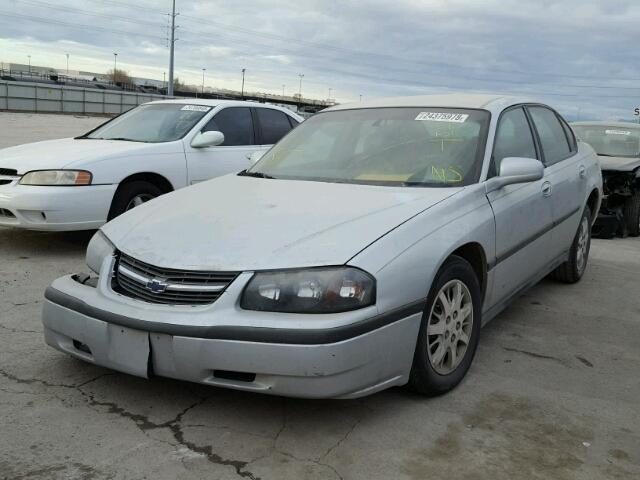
(55, 208)
(348, 361)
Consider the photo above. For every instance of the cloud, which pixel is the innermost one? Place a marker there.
(575, 55)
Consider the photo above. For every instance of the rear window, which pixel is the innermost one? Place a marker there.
(613, 141)
(274, 125)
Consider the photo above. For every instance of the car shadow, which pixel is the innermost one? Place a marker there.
(26, 244)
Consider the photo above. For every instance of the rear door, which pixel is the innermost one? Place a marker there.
(566, 172)
(523, 212)
(240, 140)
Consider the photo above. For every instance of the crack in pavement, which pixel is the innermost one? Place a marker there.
(535, 355)
(143, 422)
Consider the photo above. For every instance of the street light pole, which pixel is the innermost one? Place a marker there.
(301, 75)
(29, 56)
(330, 93)
(242, 88)
(115, 66)
(203, 70)
(171, 47)
(67, 64)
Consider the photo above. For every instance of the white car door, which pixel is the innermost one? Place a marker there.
(240, 140)
(523, 213)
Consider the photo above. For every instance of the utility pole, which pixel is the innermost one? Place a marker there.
(203, 70)
(115, 65)
(171, 47)
(301, 75)
(67, 64)
(242, 88)
(164, 79)
(29, 64)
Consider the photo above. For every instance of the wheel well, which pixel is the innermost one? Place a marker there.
(592, 202)
(474, 254)
(153, 178)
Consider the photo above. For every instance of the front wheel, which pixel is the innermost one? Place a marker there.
(130, 195)
(450, 329)
(572, 270)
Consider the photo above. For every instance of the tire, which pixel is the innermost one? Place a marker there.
(573, 269)
(127, 193)
(433, 372)
(632, 215)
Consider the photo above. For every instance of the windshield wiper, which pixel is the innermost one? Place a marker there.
(245, 173)
(124, 139)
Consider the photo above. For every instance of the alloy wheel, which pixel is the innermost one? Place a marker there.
(139, 200)
(582, 249)
(449, 328)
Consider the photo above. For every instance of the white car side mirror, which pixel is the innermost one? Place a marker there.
(207, 139)
(516, 170)
(255, 156)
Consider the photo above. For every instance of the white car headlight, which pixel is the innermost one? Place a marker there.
(56, 178)
(99, 248)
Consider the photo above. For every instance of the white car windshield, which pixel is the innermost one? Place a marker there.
(611, 141)
(154, 123)
(382, 146)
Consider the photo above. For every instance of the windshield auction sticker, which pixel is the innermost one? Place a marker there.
(617, 132)
(442, 117)
(196, 108)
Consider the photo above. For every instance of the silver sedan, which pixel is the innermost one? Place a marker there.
(365, 250)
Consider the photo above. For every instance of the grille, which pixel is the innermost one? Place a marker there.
(9, 172)
(151, 284)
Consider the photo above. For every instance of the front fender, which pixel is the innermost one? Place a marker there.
(406, 260)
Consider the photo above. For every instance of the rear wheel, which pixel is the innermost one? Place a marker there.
(450, 329)
(632, 215)
(572, 270)
(131, 195)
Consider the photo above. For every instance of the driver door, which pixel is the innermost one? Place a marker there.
(523, 213)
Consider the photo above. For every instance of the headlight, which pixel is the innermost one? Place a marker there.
(99, 248)
(56, 177)
(313, 290)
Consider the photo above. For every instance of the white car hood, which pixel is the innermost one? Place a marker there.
(65, 152)
(234, 223)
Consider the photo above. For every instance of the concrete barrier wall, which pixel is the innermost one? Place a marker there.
(42, 97)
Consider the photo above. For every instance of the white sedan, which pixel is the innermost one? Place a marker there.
(81, 183)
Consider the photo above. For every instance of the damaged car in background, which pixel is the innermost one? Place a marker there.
(364, 250)
(618, 148)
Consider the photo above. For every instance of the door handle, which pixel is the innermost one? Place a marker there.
(582, 171)
(546, 189)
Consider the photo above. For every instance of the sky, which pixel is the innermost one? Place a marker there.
(579, 56)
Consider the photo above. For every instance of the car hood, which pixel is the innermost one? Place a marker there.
(67, 152)
(620, 164)
(235, 223)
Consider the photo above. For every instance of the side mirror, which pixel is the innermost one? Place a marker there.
(253, 157)
(516, 170)
(207, 139)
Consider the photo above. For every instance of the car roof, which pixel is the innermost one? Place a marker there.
(606, 124)
(492, 102)
(227, 103)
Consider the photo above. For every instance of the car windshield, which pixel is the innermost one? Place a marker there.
(612, 141)
(154, 123)
(382, 146)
